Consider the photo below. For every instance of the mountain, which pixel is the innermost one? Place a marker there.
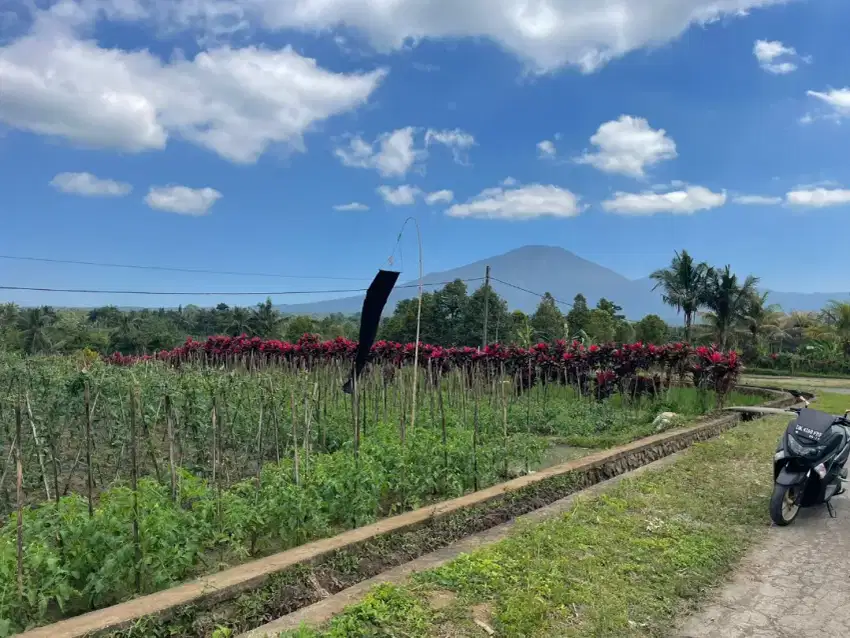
(559, 272)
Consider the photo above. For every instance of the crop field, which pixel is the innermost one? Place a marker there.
(123, 476)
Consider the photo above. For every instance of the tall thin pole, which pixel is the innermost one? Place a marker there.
(19, 490)
(418, 324)
(486, 302)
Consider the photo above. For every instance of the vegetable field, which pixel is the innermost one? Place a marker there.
(123, 476)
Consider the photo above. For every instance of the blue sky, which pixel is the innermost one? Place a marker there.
(222, 134)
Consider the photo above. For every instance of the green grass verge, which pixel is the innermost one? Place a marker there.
(626, 563)
(832, 402)
(771, 372)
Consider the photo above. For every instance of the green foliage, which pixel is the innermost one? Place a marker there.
(651, 329)
(625, 563)
(578, 317)
(255, 505)
(683, 286)
(547, 321)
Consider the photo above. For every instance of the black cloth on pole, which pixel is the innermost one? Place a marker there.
(376, 298)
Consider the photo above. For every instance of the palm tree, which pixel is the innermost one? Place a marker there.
(727, 301)
(266, 320)
(683, 286)
(35, 326)
(761, 319)
(240, 321)
(836, 318)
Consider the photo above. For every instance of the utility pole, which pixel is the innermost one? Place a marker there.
(486, 302)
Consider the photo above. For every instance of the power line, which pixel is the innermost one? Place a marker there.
(175, 269)
(563, 303)
(217, 293)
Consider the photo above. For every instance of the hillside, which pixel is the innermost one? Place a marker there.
(560, 272)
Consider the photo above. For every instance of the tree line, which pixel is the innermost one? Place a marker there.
(450, 316)
(717, 307)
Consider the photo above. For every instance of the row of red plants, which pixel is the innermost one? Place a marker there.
(608, 364)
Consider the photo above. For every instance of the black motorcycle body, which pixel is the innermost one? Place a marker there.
(808, 467)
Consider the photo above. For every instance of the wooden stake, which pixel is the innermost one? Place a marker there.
(20, 499)
(169, 421)
(294, 437)
(89, 480)
(137, 547)
(37, 445)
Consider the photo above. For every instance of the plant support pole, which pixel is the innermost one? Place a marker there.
(20, 499)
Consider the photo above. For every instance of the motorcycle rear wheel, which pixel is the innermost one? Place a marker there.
(783, 509)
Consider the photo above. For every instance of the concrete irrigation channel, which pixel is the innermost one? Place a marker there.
(316, 579)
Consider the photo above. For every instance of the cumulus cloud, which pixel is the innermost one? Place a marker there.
(545, 35)
(457, 140)
(524, 202)
(774, 57)
(679, 202)
(628, 145)
(182, 199)
(837, 99)
(546, 149)
(818, 197)
(88, 185)
(439, 197)
(234, 102)
(404, 195)
(353, 206)
(393, 154)
(756, 200)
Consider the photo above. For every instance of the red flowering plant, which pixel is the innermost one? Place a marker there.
(635, 367)
(716, 370)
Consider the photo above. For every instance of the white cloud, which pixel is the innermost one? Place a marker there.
(768, 54)
(394, 157)
(90, 186)
(509, 181)
(546, 149)
(525, 202)
(235, 102)
(353, 206)
(439, 197)
(756, 200)
(818, 197)
(182, 199)
(680, 202)
(457, 140)
(545, 35)
(628, 145)
(404, 195)
(838, 99)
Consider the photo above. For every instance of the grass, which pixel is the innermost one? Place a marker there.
(767, 372)
(832, 402)
(623, 564)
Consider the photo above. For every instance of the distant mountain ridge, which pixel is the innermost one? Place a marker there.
(557, 271)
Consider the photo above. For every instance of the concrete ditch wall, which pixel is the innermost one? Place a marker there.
(497, 504)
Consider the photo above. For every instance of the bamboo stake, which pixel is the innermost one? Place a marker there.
(89, 479)
(137, 547)
(475, 443)
(37, 445)
(169, 422)
(294, 437)
(20, 499)
(445, 430)
(260, 444)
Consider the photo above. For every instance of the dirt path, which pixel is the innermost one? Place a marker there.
(795, 584)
